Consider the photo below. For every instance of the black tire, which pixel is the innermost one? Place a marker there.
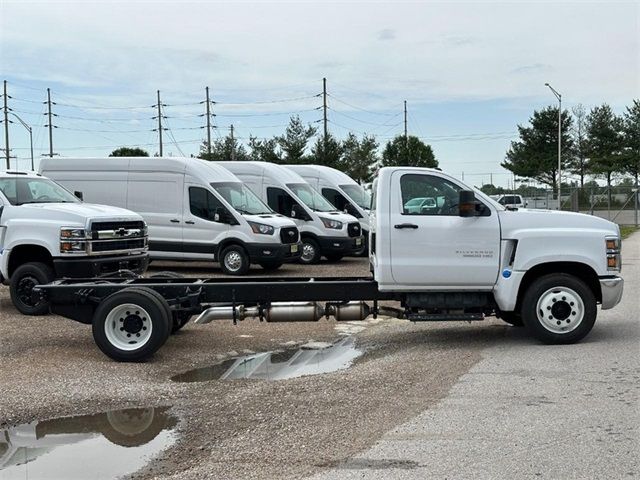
(134, 324)
(334, 257)
(271, 266)
(234, 260)
(21, 284)
(512, 318)
(180, 319)
(310, 252)
(559, 308)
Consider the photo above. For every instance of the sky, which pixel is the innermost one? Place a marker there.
(469, 71)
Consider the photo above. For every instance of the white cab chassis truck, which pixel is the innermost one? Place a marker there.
(462, 258)
(48, 233)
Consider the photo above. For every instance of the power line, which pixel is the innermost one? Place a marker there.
(359, 108)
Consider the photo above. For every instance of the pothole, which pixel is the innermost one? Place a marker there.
(104, 445)
(311, 359)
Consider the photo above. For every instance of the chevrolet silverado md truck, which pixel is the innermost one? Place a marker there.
(464, 259)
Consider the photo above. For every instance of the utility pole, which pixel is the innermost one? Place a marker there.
(559, 97)
(324, 119)
(491, 178)
(6, 127)
(405, 121)
(50, 124)
(208, 102)
(159, 117)
(233, 145)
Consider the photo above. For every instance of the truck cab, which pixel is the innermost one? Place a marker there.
(48, 233)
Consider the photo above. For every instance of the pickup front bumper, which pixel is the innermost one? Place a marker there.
(90, 267)
(611, 288)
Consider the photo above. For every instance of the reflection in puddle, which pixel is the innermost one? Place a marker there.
(278, 365)
(105, 445)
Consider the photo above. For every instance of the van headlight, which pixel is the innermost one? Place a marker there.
(332, 224)
(261, 228)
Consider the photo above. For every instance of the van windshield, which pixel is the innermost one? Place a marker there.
(358, 194)
(311, 198)
(22, 190)
(241, 198)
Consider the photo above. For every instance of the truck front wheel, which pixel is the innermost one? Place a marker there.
(21, 286)
(559, 308)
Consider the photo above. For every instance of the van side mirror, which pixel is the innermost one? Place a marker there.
(467, 204)
(297, 212)
(220, 215)
(79, 195)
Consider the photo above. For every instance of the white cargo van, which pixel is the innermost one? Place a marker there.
(342, 191)
(195, 209)
(324, 231)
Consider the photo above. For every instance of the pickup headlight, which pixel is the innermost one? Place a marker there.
(261, 228)
(333, 224)
(614, 257)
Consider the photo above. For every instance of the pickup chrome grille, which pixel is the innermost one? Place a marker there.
(354, 230)
(117, 237)
(289, 235)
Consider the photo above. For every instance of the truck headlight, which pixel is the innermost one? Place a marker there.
(69, 233)
(261, 228)
(333, 224)
(614, 257)
(73, 246)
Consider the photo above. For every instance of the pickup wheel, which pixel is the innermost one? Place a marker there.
(559, 308)
(234, 260)
(310, 251)
(21, 286)
(132, 324)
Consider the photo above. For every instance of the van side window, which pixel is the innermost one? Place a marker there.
(203, 203)
(280, 201)
(338, 201)
(428, 195)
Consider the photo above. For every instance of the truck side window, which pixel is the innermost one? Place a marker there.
(428, 195)
(280, 201)
(203, 203)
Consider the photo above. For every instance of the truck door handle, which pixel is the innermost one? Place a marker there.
(174, 220)
(189, 222)
(406, 225)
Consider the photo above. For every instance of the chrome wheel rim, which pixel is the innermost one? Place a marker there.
(308, 252)
(233, 261)
(560, 310)
(128, 327)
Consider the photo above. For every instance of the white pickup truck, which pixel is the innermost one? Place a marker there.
(464, 257)
(48, 233)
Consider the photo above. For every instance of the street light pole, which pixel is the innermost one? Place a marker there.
(30, 130)
(559, 97)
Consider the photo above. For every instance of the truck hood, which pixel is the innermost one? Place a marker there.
(274, 219)
(515, 221)
(78, 212)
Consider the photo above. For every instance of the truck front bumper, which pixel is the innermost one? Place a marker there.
(340, 245)
(89, 267)
(611, 288)
(274, 252)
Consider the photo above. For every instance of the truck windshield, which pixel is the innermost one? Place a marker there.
(241, 198)
(22, 190)
(311, 198)
(358, 194)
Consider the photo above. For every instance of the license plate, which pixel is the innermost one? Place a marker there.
(358, 241)
(294, 248)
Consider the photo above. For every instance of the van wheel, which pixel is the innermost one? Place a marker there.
(234, 260)
(559, 308)
(310, 251)
(21, 286)
(131, 325)
(271, 266)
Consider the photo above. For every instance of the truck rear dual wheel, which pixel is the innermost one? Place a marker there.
(21, 286)
(559, 308)
(132, 324)
(180, 319)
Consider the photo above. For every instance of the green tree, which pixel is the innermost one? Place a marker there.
(604, 138)
(535, 154)
(631, 141)
(265, 150)
(359, 156)
(295, 140)
(129, 152)
(223, 149)
(327, 152)
(578, 164)
(409, 151)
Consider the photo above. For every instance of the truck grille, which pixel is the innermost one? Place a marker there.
(354, 229)
(117, 237)
(134, 244)
(98, 226)
(289, 235)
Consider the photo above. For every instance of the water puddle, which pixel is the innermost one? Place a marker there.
(279, 365)
(105, 445)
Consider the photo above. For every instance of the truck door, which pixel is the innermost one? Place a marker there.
(433, 247)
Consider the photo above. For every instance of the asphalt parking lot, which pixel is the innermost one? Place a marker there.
(452, 400)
